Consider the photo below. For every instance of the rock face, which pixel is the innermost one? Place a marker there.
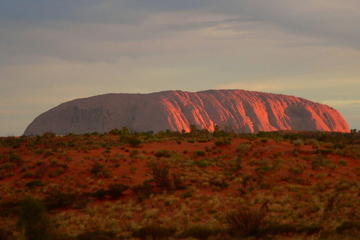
(240, 110)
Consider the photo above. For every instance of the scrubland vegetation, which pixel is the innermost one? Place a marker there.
(170, 185)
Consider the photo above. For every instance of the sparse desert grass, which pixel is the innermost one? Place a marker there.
(125, 185)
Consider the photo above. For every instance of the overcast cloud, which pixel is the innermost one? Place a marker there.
(53, 51)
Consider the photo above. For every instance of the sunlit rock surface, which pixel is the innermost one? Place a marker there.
(239, 110)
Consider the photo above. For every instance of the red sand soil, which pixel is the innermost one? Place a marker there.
(134, 170)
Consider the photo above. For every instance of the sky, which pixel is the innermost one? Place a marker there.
(54, 51)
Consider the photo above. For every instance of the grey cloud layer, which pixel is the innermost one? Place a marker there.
(76, 48)
(84, 29)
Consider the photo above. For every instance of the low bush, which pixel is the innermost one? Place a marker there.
(348, 227)
(199, 153)
(116, 190)
(14, 157)
(12, 142)
(60, 200)
(143, 191)
(222, 142)
(5, 235)
(7, 170)
(99, 194)
(134, 153)
(33, 220)
(298, 142)
(9, 208)
(99, 170)
(161, 174)
(248, 222)
(295, 170)
(236, 164)
(343, 163)
(220, 183)
(243, 149)
(35, 183)
(201, 232)
(132, 141)
(154, 232)
(281, 229)
(321, 162)
(162, 153)
(201, 163)
(97, 235)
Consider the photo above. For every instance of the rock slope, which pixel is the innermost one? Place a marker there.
(240, 110)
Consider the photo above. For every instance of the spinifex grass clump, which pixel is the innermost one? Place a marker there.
(247, 222)
(163, 177)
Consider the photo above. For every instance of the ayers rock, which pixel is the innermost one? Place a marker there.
(240, 110)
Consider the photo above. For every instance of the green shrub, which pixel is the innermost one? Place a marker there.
(56, 172)
(203, 140)
(201, 163)
(96, 235)
(9, 208)
(154, 232)
(236, 164)
(7, 170)
(14, 157)
(281, 229)
(348, 226)
(352, 151)
(298, 142)
(263, 169)
(199, 153)
(243, 149)
(35, 183)
(343, 163)
(321, 162)
(162, 153)
(6, 235)
(222, 142)
(201, 232)
(132, 141)
(60, 200)
(143, 191)
(134, 153)
(339, 146)
(99, 194)
(98, 170)
(247, 222)
(161, 174)
(221, 183)
(33, 220)
(295, 171)
(115, 190)
(12, 142)
(187, 194)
